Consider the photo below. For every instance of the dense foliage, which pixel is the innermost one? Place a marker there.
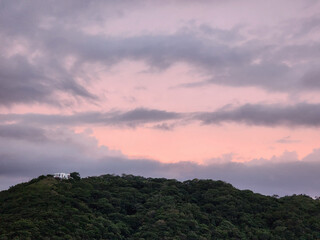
(129, 207)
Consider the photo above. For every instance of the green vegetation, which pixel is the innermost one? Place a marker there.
(130, 207)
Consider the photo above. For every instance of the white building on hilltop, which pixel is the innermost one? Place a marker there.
(62, 175)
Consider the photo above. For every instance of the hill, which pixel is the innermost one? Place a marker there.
(132, 207)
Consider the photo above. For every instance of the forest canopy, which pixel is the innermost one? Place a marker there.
(133, 207)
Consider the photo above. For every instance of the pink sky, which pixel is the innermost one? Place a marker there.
(206, 82)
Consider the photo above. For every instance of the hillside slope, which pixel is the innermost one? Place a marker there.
(130, 207)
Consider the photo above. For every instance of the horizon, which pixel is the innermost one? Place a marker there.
(145, 177)
(176, 89)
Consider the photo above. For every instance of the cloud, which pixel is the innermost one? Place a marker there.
(25, 82)
(272, 115)
(252, 63)
(302, 114)
(20, 132)
(307, 25)
(221, 62)
(32, 36)
(287, 139)
(66, 151)
(132, 118)
(51, 33)
(21, 82)
(311, 79)
(164, 126)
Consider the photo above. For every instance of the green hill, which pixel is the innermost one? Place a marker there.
(131, 207)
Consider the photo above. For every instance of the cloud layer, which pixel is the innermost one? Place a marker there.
(298, 115)
(267, 115)
(33, 69)
(64, 151)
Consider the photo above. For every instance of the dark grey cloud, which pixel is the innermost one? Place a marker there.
(22, 82)
(130, 118)
(67, 151)
(24, 19)
(302, 114)
(287, 139)
(164, 126)
(22, 132)
(251, 63)
(270, 115)
(56, 32)
(306, 26)
(25, 82)
(311, 79)
(219, 34)
(38, 74)
(158, 51)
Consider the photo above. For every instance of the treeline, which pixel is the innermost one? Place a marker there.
(130, 207)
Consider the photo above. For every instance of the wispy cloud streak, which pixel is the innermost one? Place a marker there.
(299, 115)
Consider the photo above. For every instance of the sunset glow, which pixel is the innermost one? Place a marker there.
(145, 86)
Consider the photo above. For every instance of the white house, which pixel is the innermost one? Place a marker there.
(62, 175)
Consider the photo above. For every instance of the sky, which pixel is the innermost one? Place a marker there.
(222, 90)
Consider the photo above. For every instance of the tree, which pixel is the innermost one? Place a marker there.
(75, 175)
